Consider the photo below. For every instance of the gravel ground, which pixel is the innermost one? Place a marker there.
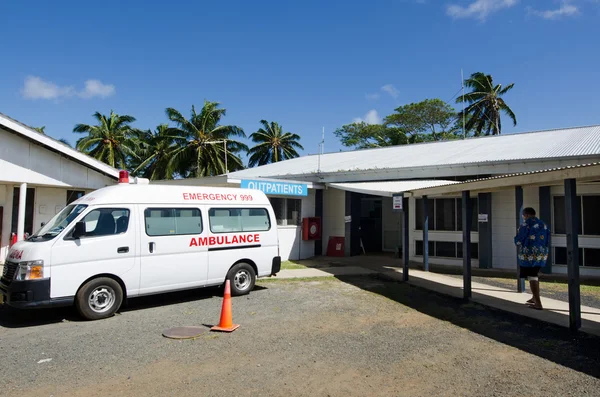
(328, 337)
(587, 299)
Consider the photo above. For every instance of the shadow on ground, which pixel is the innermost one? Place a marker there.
(580, 351)
(13, 318)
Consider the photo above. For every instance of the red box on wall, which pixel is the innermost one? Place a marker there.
(311, 228)
(335, 246)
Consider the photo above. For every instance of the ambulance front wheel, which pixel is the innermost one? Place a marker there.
(242, 278)
(99, 298)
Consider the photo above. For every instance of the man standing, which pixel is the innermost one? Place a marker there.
(532, 245)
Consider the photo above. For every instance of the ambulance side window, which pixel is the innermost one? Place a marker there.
(172, 221)
(106, 222)
(235, 220)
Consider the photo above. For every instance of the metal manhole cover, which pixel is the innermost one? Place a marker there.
(187, 332)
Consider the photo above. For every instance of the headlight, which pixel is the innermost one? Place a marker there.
(33, 270)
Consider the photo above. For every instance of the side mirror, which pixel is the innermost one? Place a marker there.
(79, 230)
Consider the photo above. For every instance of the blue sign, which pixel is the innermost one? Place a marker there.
(279, 188)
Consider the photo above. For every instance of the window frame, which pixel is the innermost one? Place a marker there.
(457, 221)
(284, 210)
(239, 208)
(69, 236)
(433, 249)
(174, 208)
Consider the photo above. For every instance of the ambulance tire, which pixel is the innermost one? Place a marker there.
(99, 298)
(242, 278)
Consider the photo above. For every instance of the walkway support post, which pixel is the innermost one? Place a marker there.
(425, 233)
(21, 212)
(572, 217)
(545, 194)
(405, 239)
(519, 210)
(466, 227)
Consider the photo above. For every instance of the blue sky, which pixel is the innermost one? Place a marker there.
(305, 64)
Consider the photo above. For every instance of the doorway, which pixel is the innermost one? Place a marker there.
(371, 224)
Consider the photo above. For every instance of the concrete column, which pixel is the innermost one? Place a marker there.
(519, 220)
(572, 217)
(21, 218)
(485, 231)
(466, 229)
(425, 233)
(546, 217)
(405, 239)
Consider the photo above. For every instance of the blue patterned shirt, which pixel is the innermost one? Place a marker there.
(532, 243)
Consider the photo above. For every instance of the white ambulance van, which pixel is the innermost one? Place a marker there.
(135, 239)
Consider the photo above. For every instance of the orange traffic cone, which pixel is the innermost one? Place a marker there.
(226, 324)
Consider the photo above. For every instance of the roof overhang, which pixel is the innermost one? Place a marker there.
(388, 188)
(556, 176)
(45, 141)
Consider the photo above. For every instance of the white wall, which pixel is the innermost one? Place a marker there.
(24, 161)
(504, 227)
(291, 245)
(334, 209)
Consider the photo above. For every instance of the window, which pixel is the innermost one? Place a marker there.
(232, 220)
(560, 256)
(445, 214)
(73, 195)
(446, 249)
(588, 207)
(419, 214)
(172, 221)
(106, 222)
(287, 211)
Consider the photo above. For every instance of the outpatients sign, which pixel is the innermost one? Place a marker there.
(280, 188)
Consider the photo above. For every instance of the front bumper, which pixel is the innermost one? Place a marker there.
(276, 266)
(30, 294)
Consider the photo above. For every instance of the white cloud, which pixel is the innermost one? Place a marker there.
(372, 117)
(565, 10)
(372, 97)
(391, 90)
(37, 88)
(479, 9)
(96, 88)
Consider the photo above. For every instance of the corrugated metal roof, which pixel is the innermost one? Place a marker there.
(460, 186)
(552, 144)
(388, 188)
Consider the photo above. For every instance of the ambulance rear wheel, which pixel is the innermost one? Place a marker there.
(99, 298)
(242, 279)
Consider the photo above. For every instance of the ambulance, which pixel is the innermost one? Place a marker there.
(135, 239)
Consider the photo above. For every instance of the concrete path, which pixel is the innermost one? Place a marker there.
(325, 272)
(555, 311)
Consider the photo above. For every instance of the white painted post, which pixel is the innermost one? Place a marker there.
(21, 218)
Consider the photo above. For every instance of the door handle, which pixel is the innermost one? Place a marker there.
(151, 247)
(122, 250)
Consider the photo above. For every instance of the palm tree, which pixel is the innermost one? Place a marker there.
(204, 143)
(153, 152)
(273, 145)
(485, 105)
(108, 141)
